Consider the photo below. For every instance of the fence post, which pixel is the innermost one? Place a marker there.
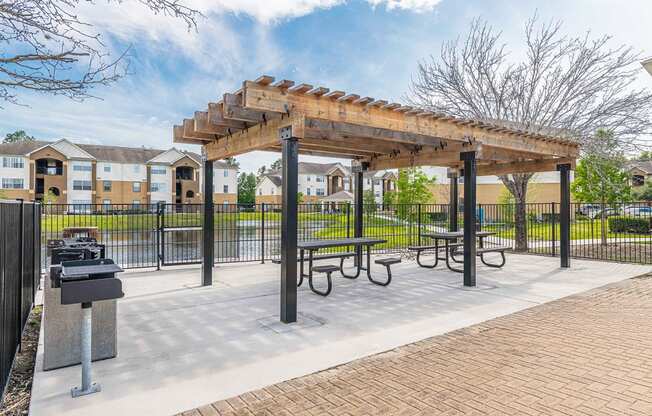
(21, 265)
(348, 220)
(554, 231)
(161, 233)
(419, 224)
(262, 233)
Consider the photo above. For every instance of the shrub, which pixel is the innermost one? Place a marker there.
(438, 216)
(639, 225)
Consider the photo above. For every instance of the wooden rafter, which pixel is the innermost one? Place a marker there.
(384, 134)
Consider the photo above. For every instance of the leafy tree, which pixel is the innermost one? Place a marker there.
(644, 193)
(231, 162)
(261, 171)
(369, 201)
(600, 177)
(49, 198)
(18, 136)
(277, 165)
(413, 188)
(299, 197)
(3, 194)
(561, 83)
(644, 156)
(389, 198)
(246, 188)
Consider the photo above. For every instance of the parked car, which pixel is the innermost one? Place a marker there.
(638, 211)
(608, 212)
(589, 210)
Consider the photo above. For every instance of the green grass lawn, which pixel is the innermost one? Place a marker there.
(580, 230)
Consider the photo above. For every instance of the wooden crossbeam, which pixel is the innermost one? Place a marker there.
(216, 117)
(232, 109)
(417, 121)
(448, 156)
(258, 137)
(530, 166)
(202, 125)
(178, 137)
(190, 132)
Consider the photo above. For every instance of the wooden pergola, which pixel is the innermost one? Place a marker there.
(298, 119)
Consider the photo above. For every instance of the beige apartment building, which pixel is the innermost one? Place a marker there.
(83, 175)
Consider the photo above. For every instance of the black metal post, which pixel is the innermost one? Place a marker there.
(208, 227)
(418, 224)
(358, 171)
(290, 150)
(554, 231)
(348, 219)
(469, 217)
(21, 261)
(564, 214)
(452, 207)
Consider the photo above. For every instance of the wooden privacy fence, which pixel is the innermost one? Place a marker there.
(20, 241)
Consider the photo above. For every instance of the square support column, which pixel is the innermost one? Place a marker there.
(453, 199)
(290, 157)
(564, 214)
(358, 172)
(208, 231)
(469, 216)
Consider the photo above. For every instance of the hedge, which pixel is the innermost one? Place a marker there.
(639, 225)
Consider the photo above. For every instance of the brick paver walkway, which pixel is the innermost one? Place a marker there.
(589, 354)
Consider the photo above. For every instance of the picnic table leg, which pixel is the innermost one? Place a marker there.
(451, 256)
(429, 266)
(301, 275)
(358, 266)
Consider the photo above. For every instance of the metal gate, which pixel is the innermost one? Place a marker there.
(179, 234)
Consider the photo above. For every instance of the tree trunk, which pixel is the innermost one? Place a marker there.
(517, 186)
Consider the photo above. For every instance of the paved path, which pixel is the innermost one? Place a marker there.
(588, 354)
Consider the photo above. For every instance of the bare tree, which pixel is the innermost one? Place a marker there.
(45, 47)
(572, 85)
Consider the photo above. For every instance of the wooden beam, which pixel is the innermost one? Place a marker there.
(189, 131)
(530, 166)
(265, 98)
(257, 137)
(178, 137)
(216, 117)
(449, 156)
(233, 109)
(202, 125)
(333, 129)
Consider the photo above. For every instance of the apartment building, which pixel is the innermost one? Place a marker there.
(543, 187)
(82, 174)
(321, 181)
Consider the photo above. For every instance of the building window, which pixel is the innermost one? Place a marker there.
(13, 162)
(308, 178)
(226, 173)
(136, 168)
(157, 187)
(260, 192)
(135, 187)
(638, 180)
(107, 186)
(226, 189)
(81, 206)
(78, 167)
(82, 185)
(376, 182)
(106, 203)
(158, 170)
(319, 179)
(107, 168)
(377, 193)
(135, 203)
(308, 191)
(12, 183)
(271, 191)
(54, 190)
(320, 191)
(190, 194)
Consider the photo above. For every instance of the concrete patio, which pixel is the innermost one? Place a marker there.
(182, 345)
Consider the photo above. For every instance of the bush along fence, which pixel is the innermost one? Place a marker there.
(165, 234)
(19, 276)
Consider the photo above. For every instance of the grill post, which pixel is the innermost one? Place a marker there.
(469, 217)
(290, 157)
(564, 214)
(208, 234)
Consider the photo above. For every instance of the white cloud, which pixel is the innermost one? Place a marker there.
(413, 5)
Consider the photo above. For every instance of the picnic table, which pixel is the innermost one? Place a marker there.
(451, 238)
(358, 242)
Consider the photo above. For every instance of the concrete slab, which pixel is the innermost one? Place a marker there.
(182, 345)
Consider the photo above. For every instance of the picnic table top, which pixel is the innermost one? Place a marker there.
(450, 235)
(355, 241)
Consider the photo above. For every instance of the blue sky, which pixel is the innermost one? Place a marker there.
(368, 47)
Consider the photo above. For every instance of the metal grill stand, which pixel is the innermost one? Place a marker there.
(87, 386)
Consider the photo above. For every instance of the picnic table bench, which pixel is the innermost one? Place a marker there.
(451, 244)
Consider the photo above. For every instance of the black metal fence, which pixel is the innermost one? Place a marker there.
(19, 276)
(167, 234)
